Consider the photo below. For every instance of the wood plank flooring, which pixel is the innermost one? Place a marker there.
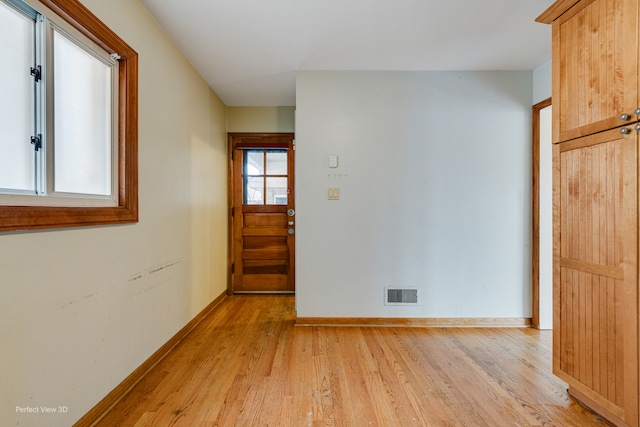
(248, 365)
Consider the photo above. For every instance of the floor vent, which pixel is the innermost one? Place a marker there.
(401, 296)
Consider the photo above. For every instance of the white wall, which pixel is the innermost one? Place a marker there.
(546, 221)
(435, 192)
(541, 91)
(82, 308)
(542, 82)
(260, 119)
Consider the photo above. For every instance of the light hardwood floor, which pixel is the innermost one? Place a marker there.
(248, 365)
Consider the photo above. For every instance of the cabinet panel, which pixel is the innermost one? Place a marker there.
(595, 272)
(595, 67)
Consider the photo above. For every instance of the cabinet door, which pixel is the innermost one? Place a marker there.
(595, 67)
(595, 272)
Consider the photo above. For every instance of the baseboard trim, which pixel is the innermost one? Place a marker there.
(103, 407)
(508, 322)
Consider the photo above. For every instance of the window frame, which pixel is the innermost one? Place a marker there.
(265, 176)
(16, 217)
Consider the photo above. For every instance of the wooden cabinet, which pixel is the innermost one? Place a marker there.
(596, 322)
(595, 272)
(595, 66)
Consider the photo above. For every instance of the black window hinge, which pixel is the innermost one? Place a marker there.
(233, 268)
(233, 212)
(36, 73)
(37, 142)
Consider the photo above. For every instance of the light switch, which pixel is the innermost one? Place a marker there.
(333, 194)
(333, 160)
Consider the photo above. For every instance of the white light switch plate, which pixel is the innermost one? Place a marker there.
(333, 194)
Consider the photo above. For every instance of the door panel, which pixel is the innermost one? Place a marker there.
(595, 64)
(262, 255)
(264, 220)
(595, 283)
(263, 243)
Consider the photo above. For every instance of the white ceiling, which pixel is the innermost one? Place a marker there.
(249, 50)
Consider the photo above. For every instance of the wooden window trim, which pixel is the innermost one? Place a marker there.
(14, 218)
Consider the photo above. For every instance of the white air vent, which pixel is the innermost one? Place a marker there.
(401, 296)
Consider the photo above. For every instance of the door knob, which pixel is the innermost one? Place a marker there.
(290, 231)
(637, 112)
(637, 127)
(625, 131)
(291, 212)
(624, 116)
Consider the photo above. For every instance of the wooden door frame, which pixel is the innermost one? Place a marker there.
(535, 207)
(231, 137)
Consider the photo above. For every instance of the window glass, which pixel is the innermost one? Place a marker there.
(276, 191)
(17, 162)
(270, 188)
(254, 189)
(276, 162)
(254, 162)
(82, 123)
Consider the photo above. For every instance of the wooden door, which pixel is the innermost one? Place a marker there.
(595, 272)
(595, 67)
(263, 213)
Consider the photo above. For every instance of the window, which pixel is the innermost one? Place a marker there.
(68, 121)
(265, 177)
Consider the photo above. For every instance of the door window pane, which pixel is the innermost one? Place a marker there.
(82, 124)
(254, 162)
(265, 184)
(17, 162)
(276, 162)
(254, 189)
(277, 191)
